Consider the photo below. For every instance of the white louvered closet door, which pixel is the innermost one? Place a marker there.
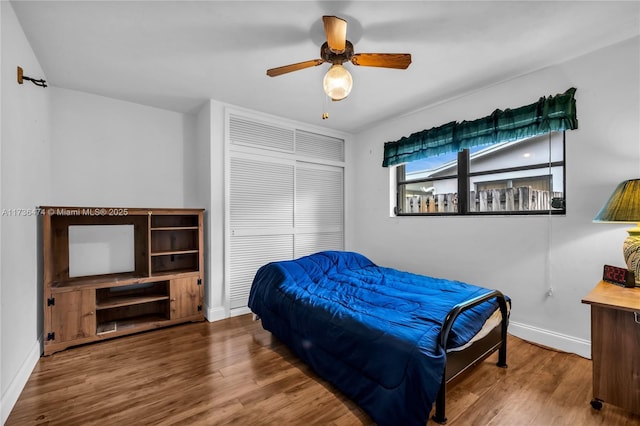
(261, 221)
(319, 212)
(285, 198)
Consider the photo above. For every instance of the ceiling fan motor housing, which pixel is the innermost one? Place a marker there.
(336, 57)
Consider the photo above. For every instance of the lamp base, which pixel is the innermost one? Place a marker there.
(631, 252)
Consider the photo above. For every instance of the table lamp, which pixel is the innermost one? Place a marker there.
(624, 206)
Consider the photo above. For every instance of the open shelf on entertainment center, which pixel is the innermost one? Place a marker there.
(163, 288)
(134, 294)
(139, 323)
(99, 280)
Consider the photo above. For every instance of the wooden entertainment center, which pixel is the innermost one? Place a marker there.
(164, 287)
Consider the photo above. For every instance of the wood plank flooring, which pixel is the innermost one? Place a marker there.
(234, 372)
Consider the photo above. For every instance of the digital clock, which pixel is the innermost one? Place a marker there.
(619, 276)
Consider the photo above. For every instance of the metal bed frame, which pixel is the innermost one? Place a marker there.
(459, 362)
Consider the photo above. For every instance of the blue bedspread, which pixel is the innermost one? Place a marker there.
(369, 330)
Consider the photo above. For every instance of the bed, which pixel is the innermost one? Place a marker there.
(390, 340)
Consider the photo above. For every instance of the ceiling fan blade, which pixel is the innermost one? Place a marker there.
(336, 30)
(274, 72)
(384, 60)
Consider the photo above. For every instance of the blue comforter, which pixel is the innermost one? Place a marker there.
(369, 330)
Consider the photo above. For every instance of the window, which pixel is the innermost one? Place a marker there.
(526, 176)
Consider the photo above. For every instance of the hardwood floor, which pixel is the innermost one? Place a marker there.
(234, 372)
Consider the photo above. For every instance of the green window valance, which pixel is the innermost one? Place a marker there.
(553, 113)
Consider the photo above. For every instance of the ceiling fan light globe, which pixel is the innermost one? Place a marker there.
(337, 82)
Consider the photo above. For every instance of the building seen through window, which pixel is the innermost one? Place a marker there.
(521, 177)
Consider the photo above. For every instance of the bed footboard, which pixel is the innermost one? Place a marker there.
(458, 362)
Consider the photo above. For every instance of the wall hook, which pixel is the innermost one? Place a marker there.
(21, 77)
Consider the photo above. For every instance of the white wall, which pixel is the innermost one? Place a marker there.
(210, 171)
(215, 297)
(107, 152)
(63, 147)
(25, 183)
(522, 256)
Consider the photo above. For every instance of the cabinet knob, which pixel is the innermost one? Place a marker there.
(173, 299)
(636, 317)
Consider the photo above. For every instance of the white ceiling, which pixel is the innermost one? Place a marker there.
(176, 54)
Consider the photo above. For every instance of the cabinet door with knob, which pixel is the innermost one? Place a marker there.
(72, 315)
(186, 297)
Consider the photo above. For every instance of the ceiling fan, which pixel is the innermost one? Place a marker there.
(338, 50)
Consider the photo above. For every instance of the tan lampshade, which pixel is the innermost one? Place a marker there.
(623, 205)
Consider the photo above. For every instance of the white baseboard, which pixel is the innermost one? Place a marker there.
(551, 339)
(239, 311)
(219, 313)
(215, 313)
(19, 381)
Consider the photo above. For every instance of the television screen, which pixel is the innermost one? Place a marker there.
(100, 249)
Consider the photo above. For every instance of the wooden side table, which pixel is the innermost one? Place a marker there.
(615, 345)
